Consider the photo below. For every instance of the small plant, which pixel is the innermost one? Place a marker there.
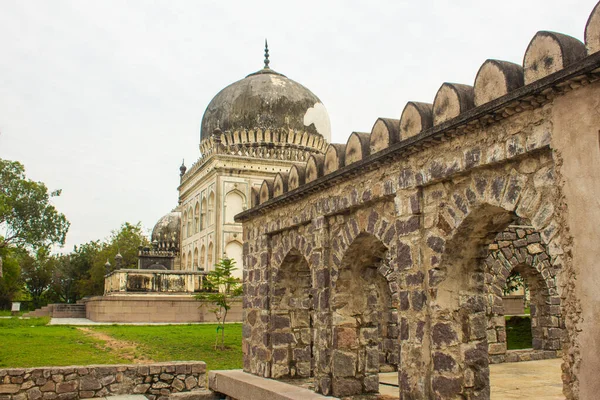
(222, 288)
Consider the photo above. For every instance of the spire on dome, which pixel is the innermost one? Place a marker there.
(266, 55)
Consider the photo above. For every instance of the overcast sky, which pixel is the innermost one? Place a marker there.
(103, 99)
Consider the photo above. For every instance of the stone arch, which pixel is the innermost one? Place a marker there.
(466, 224)
(233, 250)
(197, 217)
(202, 264)
(235, 203)
(195, 264)
(190, 217)
(209, 257)
(529, 257)
(364, 316)
(184, 225)
(211, 208)
(291, 317)
(188, 267)
(203, 209)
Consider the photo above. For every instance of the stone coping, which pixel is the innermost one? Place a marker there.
(238, 384)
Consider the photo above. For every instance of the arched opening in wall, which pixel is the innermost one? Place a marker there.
(184, 225)
(211, 208)
(188, 267)
(466, 311)
(234, 250)
(189, 221)
(291, 318)
(209, 258)
(234, 204)
(203, 208)
(202, 264)
(524, 317)
(197, 218)
(365, 319)
(195, 265)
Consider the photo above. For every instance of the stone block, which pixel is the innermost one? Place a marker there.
(9, 388)
(344, 364)
(50, 386)
(89, 383)
(34, 394)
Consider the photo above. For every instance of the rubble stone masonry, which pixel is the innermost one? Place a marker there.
(155, 381)
(389, 235)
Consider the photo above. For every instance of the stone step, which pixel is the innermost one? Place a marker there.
(203, 394)
(243, 386)
(125, 397)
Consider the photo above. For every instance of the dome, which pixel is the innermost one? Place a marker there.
(267, 100)
(166, 232)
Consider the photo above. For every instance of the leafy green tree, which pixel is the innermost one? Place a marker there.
(124, 241)
(36, 273)
(27, 218)
(221, 288)
(10, 282)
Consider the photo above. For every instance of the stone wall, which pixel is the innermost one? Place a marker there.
(429, 193)
(155, 381)
(154, 308)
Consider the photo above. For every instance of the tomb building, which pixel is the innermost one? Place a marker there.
(253, 129)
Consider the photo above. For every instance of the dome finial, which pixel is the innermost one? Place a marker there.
(266, 55)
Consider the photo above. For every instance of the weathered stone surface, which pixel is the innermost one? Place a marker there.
(8, 388)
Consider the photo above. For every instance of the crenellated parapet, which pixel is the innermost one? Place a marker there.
(553, 64)
(279, 144)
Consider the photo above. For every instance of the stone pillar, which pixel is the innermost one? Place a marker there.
(322, 340)
(256, 319)
(412, 267)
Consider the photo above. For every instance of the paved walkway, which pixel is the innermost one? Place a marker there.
(538, 380)
(87, 322)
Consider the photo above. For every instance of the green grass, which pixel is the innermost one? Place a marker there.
(183, 343)
(31, 343)
(518, 333)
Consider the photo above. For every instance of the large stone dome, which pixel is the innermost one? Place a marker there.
(266, 100)
(166, 232)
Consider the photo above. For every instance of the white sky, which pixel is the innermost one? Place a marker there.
(103, 99)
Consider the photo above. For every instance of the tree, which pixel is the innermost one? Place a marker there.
(221, 288)
(27, 218)
(37, 274)
(10, 282)
(124, 241)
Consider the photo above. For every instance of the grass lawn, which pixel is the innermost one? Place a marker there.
(518, 333)
(30, 343)
(183, 342)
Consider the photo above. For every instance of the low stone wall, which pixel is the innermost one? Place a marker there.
(155, 381)
(154, 308)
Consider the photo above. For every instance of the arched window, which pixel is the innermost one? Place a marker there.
(203, 214)
(189, 261)
(209, 258)
(195, 267)
(184, 232)
(189, 222)
(203, 258)
(234, 204)
(197, 218)
(234, 251)
(211, 208)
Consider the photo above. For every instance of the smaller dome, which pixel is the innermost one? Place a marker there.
(166, 232)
